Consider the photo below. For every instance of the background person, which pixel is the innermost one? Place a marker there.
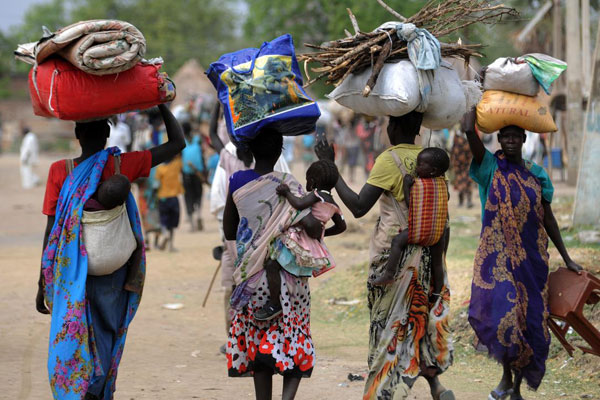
(29, 155)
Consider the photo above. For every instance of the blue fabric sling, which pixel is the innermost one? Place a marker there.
(72, 360)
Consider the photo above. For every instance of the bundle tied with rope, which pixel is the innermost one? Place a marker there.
(400, 67)
(439, 18)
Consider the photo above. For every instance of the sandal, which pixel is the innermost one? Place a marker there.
(496, 395)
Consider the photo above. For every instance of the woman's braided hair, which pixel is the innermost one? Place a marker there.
(324, 174)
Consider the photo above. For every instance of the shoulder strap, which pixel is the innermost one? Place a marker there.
(117, 164)
(69, 166)
(399, 163)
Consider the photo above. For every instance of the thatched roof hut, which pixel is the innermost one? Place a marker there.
(191, 81)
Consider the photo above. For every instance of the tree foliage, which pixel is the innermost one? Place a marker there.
(176, 30)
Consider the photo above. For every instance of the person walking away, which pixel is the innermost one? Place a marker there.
(534, 148)
(194, 175)
(461, 160)
(120, 134)
(409, 337)
(90, 314)
(29, 159)
(231, 159)
(168, 178)
(509, 294)
(254, 215)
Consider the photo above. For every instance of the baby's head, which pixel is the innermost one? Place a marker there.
(114, 191)
(321, 175)
(432, 162)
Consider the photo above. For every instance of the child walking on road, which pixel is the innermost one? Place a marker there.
(168, 176)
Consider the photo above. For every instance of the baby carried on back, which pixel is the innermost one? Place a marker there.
(107, 233)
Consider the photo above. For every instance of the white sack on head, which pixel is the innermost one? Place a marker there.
(511, 75)
(396, 92)
(447, 101)
(473, 93)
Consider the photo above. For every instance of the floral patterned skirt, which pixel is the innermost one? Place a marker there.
(284, 344)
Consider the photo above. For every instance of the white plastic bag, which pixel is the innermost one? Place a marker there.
(447, 101)
(396, 92)
(108, 239)
(511, 75)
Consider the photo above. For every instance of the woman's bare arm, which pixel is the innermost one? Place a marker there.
(553, 231)
(467, 124)
(175, 141)
(215, 140)
(231, 219)
(40, 305)
(358, 204)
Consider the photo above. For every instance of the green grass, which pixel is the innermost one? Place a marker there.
(343, 330)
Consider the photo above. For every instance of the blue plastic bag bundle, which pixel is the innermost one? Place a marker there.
(260, 87)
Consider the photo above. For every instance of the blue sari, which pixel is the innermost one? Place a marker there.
(72, 360)
(509, 293)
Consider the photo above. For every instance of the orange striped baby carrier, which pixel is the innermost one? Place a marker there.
(428, 211)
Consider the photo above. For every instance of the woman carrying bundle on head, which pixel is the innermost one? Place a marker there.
(409, 336)
(509, 295)
(255, 216)
(92, 306)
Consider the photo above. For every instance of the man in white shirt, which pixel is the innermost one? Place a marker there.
(29, 158)
(120, 135)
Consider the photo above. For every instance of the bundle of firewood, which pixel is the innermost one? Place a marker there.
(355, 53)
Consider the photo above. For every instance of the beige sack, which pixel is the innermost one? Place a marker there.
(498, 109)
(108, 239)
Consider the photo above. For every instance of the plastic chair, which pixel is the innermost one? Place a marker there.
(568, 293)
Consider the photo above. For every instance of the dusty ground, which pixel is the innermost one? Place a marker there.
(174, 354)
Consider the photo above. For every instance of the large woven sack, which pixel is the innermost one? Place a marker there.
(60, 90)
(498, 109)
(447, 101)
(511, 75)
(108, 239)
(396, 92)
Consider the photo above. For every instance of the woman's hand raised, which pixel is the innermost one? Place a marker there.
(324, 150)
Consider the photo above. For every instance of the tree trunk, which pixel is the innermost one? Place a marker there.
(574, 85)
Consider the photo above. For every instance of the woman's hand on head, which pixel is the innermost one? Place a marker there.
(324, 150)
(573, 266)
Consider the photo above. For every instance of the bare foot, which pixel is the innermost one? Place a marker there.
(385, 279)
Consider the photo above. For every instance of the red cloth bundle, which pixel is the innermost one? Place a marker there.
(60, 90)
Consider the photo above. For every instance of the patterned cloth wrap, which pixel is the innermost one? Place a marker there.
(72, 358)
(264, 216)
(509, 294)
(283, 344)
(428, 211)
(99, 47)
(408, 336)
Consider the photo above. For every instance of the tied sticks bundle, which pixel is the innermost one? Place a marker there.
(355, 53)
